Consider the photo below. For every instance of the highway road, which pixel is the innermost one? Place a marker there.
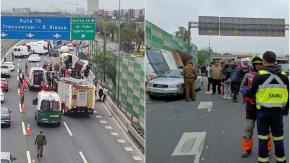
(94, 139)
(208, 130)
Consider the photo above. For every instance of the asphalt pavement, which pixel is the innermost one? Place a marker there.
(92, 139)
(207, 130)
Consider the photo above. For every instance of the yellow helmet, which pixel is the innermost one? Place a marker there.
(257, 59)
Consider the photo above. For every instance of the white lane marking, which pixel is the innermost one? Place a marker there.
(102, 121)
(129, 149)
(205, 105)
(18, 60)
(95, 112)
(98, 116)
(83, 157)
(114, 133)
(23, 128)
(191, 143)
(109, 127)
(137, 158)
(121, 141)
(28, 156)
(18, 64)
(37, 64)
(68, 130)
(17, 78)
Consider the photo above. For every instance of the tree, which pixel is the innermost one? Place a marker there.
(128, 36)
(140, 38)
(112, 29)
(182, 33)
(203, 56)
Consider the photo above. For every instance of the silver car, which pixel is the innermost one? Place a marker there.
(171, 83)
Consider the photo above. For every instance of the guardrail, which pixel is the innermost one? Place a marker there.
(4, 50)
(136, 135)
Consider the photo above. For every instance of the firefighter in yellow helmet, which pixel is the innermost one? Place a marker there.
(250, 110)
(270, 88)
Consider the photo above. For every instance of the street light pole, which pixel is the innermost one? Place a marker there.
(119, 55)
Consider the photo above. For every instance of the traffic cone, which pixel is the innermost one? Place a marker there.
(28, 131)
(22, 108)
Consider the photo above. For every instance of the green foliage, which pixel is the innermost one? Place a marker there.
(203, 56)
(128, 36)
(182, 33)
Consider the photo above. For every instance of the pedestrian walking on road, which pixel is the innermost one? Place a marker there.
(226, 81)
(208, 75)
(251, 110)
(271, 89)
(190, 75)
(22, 99)
(236, 77)
(26, 68)
(40, 141)
(216, 73)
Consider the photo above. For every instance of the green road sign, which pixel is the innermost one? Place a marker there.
(83, 28)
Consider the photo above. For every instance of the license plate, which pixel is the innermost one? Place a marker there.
(53, 116)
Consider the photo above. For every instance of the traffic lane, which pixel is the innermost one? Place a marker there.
(13, 139)
(224, 124)
(62, 154)
(96, 140)
(59, 147)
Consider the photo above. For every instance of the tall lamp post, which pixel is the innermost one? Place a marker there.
(119, 54)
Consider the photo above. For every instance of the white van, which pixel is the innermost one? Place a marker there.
(38, 48)
(36, 77)
(20, 51)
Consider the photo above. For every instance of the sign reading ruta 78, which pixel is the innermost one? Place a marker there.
(23, 27)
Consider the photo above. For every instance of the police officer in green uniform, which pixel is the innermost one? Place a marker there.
(40, 141)
(271, 87)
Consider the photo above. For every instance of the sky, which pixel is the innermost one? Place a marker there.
(48, 5)
(169, 15)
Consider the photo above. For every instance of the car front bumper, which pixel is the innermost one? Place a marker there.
(163, 91)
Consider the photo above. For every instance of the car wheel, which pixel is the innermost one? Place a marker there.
(8, 125)
(151, 96)
(6, 90)
(58, 124)
(38, 123)
(2, 102)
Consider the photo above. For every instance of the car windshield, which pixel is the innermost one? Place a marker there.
(4, 161)
(172, 74)
(49, 105)
(246, 63)
(4, 67)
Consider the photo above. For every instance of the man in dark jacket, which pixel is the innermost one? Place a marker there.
(236, 77)
(271, 89)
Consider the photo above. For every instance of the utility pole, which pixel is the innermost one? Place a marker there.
(119, 56)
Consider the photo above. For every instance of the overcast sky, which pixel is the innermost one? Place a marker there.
(62, 4)
(170, 14)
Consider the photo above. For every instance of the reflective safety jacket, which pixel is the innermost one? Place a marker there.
(271, 95)
(270, 89)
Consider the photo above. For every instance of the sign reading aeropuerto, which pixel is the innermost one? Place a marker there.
(46, 27)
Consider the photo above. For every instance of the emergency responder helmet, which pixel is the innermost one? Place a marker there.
(257, 59)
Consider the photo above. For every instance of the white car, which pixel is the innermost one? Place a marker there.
(11, 65)
(2, 96)
(34, 58)
(5, 71)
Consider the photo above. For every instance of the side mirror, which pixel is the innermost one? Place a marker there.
(34, 102)
(14, 158)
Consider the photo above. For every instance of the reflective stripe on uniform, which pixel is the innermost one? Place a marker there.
(260, 159)
(263, 137)
(280, 159)
(278, 138)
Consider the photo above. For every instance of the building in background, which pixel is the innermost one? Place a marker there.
(92, 6)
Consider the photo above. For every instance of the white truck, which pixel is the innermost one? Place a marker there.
(38, 47)
(37, 78)
(76, 95)
(21, 51)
